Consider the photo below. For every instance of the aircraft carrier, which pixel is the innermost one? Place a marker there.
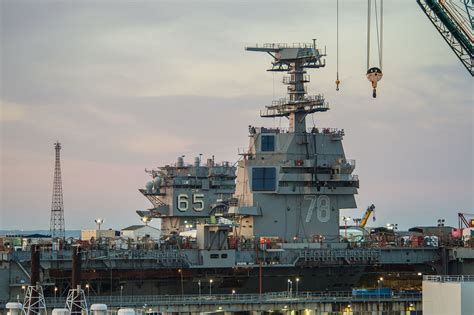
(269, 222)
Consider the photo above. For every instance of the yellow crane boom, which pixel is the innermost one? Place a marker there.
(367, 214)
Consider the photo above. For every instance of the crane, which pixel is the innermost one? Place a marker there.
(362, 222)
(463, 221)
(367, 214)
(454, 21)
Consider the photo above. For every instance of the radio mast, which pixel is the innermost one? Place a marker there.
(57, 208)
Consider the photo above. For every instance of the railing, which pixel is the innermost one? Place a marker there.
(282, 45)
(460, 278)
(313, 130)
(273, 297)
(315, 99)
(292, 79)
(361, 255)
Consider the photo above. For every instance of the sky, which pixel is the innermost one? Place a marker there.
(129, 85)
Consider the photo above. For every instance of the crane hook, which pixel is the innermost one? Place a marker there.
(374, 75)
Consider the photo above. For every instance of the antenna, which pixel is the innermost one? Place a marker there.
(294, 59)
(57, 208)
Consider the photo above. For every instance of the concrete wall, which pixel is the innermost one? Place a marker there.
(86, 235)
(454, 298)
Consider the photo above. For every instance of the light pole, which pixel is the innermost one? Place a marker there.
(297, 285)
(55, 294)
(199, 285)
(121, 294)
(88, 290)
(99, 222)
(146, 220)
(182, 287)
(210, 287)
(379, 281)
(290, 287)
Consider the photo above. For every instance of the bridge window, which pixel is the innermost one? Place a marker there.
(268, 143)
(263, 178)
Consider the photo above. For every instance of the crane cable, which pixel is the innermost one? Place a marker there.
(369, 5)
(374, 74)
(379, 37)
(337, 46)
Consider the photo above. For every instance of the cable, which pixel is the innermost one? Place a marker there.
(337, 39)
(378, 35)
(337, 46)
(273, 78)
(381, 33)
(368, 32)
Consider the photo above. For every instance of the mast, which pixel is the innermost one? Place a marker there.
(294, 59)
(57, 228)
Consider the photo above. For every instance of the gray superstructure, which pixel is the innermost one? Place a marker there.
(292, 182)
(183, 194)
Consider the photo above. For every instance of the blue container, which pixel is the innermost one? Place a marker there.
(382, 292)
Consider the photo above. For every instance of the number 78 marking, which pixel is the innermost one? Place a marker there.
(312, 204)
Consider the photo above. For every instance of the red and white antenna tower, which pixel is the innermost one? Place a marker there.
(57, 208)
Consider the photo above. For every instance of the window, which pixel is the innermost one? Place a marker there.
(214, 256)
(268, 143)
(263, 178)
(224, 256)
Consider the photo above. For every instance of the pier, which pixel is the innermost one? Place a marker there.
(307, 303)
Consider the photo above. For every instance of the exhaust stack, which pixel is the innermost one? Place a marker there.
(76, 268)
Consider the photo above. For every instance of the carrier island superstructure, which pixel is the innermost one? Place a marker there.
(274, 222)
(186, 194)
(292, 183)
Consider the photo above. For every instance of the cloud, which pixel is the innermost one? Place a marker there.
(134, 85)
(11, 112)
(159, 144)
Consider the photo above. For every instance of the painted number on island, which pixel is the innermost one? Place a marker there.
(196, 202)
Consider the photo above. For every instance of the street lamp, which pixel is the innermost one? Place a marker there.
(379, 282)
(121, 294)
(146, 220)
(182, 287)
(88, 290)
(297, 282)
(210, 286)
(290, 287)
(199, 285)
(391, 226)
(99, 222)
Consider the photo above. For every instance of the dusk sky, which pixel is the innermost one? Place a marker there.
(129, 85)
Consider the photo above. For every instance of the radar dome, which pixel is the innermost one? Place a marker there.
(149, 187)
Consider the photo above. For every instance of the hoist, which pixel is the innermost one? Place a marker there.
(374, 73)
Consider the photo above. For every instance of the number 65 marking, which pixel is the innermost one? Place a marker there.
(183, 202)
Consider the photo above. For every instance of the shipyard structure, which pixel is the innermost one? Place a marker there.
(269, 223)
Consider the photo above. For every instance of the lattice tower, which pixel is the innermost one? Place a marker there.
(57, 208)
